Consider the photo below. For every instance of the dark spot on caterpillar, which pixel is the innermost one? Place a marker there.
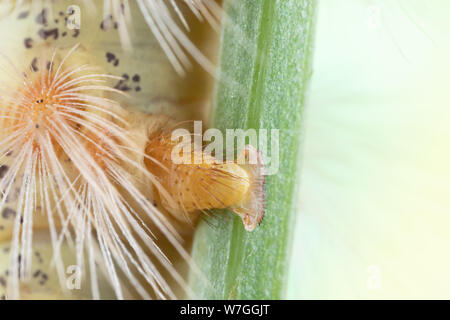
(76, 33)
(8, 213)
(36, 274)
(23, 15)
(44, 279)
(42, 17)
(64, 34)
(37, 126)
(124, 88)
(106, 23)
(28, 43)
(34, 65)
(3, 170)
(3, 282)
(56, 21)
(61, 13)
(136, 78)
(121, 85)
(44, 34)
(2, 227)
(38, 255)
(19, 263)
(110, 56)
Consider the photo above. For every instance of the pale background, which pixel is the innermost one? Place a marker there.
(374, 218)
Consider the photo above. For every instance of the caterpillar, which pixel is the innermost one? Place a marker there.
(86, 175)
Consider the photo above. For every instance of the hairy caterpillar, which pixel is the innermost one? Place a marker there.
(85, 174)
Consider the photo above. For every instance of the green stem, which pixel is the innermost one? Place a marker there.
(265, 50)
